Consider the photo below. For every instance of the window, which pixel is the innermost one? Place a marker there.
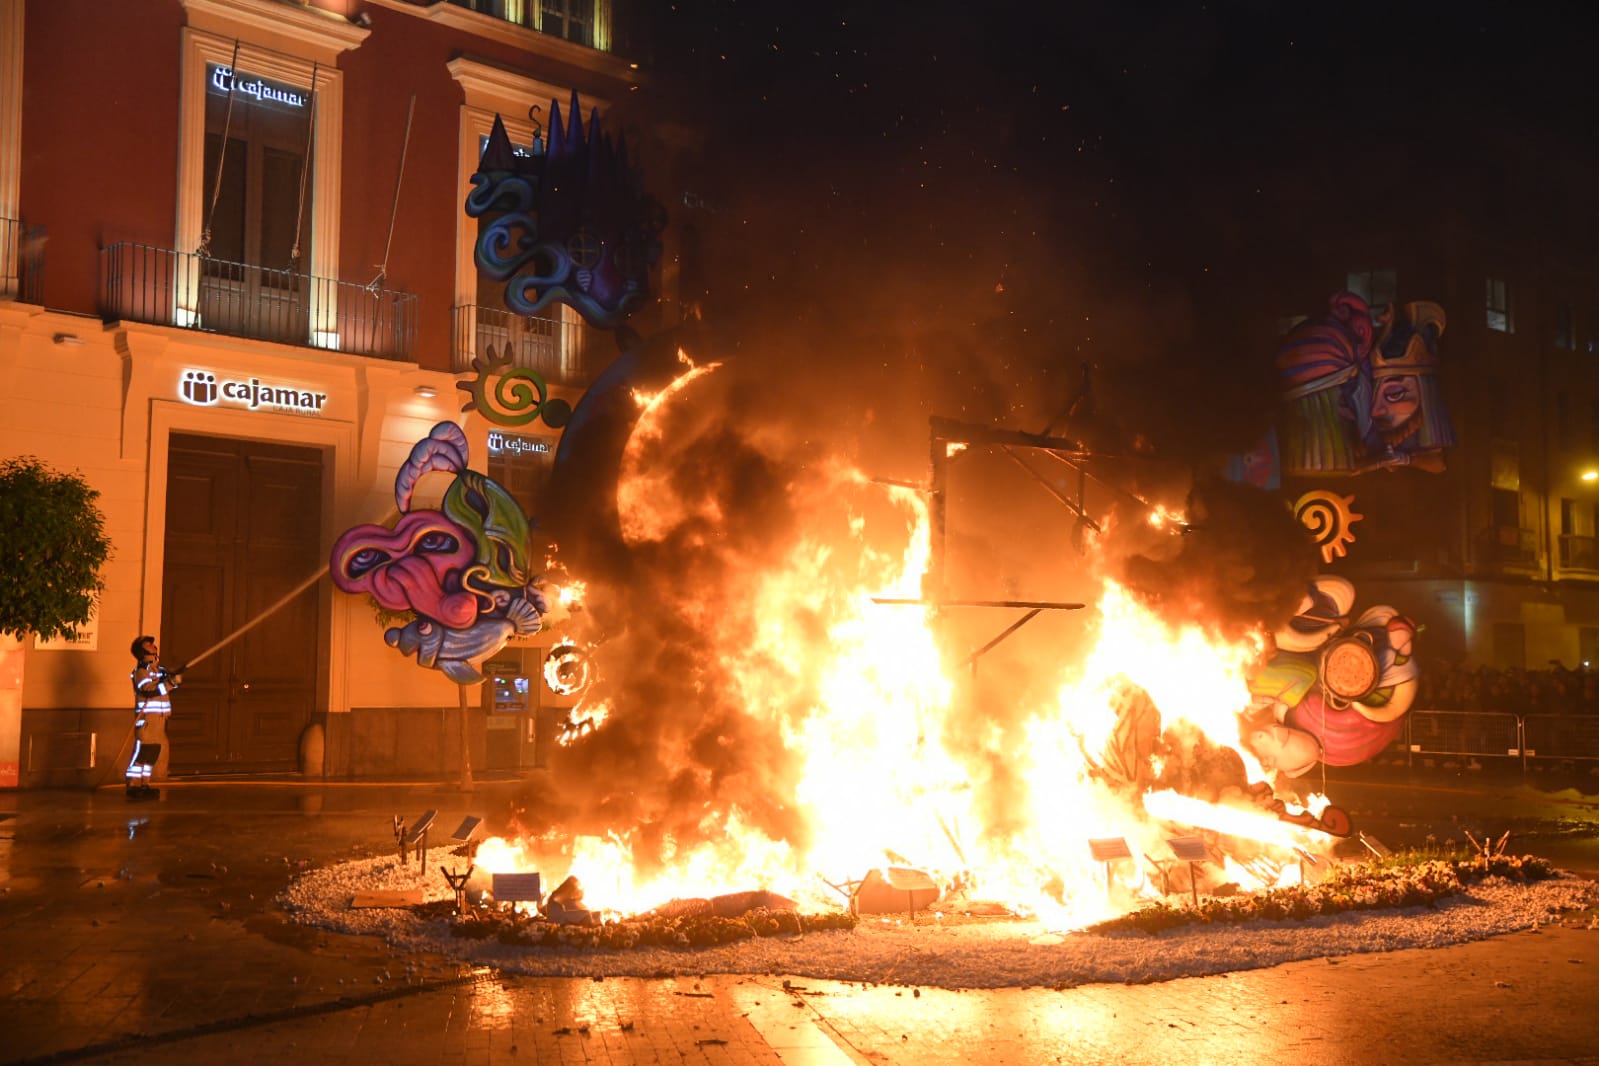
(1498, 304)
(577, 21)
(257, 213)
(1563, 421)
(1375, 285)
(1507, 508)
(1565, 328)
(517, 11)
(265, 160)
(1568, 517)
(572, 20)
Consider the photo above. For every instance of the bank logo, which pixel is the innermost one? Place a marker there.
(200, 386)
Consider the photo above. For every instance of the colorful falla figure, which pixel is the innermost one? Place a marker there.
(1334, 691)
(464, 569)
(1360, 389)
(1407, 420)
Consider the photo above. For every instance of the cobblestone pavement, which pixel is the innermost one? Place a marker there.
(145, 933)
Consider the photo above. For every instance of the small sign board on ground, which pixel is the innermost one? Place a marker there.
(1189, 849)
(420, 826)
(1375, 846)
(468, 826)
(516, 888)
(386, 897)
(1109, 849)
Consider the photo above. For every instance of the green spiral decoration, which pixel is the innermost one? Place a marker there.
(519, 395)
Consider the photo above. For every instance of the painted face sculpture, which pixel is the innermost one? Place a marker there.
(1407, 413)
(1361, 389)
(1337, 691)
(463, 570)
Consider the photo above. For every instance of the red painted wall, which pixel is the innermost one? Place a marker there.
(99, 134)
(100, 145)
(405, 54)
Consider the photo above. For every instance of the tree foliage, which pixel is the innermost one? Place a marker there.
(52, 545)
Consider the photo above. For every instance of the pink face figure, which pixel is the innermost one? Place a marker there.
(1288, 751)
(416, 566)
(1395, 403)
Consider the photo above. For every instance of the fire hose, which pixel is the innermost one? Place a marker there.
(271, 609)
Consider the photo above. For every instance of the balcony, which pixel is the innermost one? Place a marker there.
(1579, 553)
(563, 350)
(1510, 546)
(167, 288)
(21, 261)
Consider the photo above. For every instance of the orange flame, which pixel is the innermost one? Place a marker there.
(881, 780)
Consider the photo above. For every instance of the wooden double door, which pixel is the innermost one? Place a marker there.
(243, 528)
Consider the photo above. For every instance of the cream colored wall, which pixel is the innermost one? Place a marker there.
(62, 402)
(106, 407)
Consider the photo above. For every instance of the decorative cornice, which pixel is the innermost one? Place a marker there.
(492, 88)
(321, 34)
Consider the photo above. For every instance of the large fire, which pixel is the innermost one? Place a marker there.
(888, 770)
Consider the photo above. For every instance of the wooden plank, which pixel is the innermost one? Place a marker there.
(386, 897)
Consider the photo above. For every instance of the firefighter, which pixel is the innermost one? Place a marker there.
(153, 685)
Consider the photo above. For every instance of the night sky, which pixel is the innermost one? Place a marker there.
(982, 196)
(883, 220)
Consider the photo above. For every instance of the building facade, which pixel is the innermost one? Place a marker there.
(1496, 555)
(236, 285)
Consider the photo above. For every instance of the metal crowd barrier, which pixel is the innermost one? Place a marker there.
(1502, 735)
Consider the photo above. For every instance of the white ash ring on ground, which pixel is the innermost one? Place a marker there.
(948, 953)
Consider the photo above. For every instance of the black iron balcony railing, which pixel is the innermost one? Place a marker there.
(160, 286)
(1510, 546)
(563, 350)
(21, 261)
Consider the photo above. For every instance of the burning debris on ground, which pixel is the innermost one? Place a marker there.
(939, 949)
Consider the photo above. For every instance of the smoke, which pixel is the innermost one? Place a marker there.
(702, 705)
(858, 271)
(1242, 564)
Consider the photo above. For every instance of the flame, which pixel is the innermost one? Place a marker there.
(570, 594)
(1161, 516)
(640, 498)
(891, 767)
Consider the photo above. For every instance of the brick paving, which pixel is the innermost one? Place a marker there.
(146, 934)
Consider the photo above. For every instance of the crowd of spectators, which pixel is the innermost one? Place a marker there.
(1462, 687)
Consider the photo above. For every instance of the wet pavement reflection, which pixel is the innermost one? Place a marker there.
(147, 934)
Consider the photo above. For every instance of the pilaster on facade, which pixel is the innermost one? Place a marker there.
(11, 36)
